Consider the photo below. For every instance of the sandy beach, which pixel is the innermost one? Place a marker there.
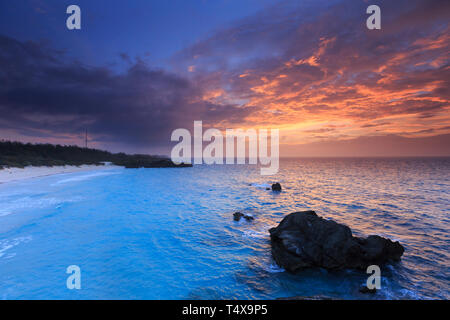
(16, 174)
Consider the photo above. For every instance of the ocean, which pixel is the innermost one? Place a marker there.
(169, 233)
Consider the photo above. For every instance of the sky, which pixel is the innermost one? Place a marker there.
(137, 70)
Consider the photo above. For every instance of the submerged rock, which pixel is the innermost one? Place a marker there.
(238, 215)
(276, 187)
(304, 240)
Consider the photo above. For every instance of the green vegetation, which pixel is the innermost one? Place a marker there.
(16, 154)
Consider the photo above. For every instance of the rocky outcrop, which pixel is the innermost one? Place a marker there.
(304, 240)
(276, 187)
(149, 162)
(238, 215)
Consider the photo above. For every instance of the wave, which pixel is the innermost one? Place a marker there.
(32, 203)
(254, 234)
(274, 268)
(86, 177)
(261, 185)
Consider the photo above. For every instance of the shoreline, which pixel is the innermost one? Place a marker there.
(18, 174)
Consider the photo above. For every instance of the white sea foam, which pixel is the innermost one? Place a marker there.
(260, 233)
(261, 185)
(11, 207)
(254, 234)
(15, 174)
(86, 177)
(274, 268)
(11, 243)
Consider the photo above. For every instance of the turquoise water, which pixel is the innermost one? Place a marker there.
(170, 234)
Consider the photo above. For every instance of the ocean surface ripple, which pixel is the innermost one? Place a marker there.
(170, 234)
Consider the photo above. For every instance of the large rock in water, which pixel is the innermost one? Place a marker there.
(304, 240)
(276, 187)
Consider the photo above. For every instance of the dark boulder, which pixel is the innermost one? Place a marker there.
(276, 187)
(238, 215)
(304, 240)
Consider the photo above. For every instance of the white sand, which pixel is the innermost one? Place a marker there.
(15, 174)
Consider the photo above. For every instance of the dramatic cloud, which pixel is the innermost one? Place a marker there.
(43, 95)
(310, 68)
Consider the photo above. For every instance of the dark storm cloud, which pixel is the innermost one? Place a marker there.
(43, 93)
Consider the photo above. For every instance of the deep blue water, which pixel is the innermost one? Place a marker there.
(170, 234)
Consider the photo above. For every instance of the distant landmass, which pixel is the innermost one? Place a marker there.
(17, 154)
